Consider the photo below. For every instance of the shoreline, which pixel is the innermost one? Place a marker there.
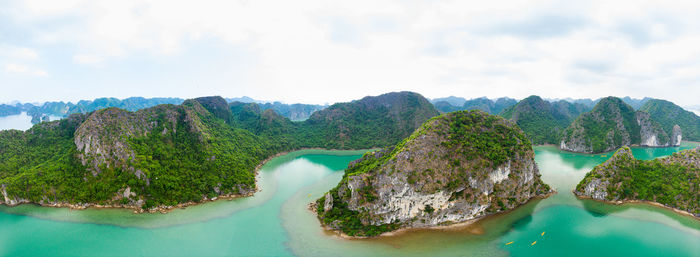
(401, 231)
(613, 151)
(645, 202)
(167, 209)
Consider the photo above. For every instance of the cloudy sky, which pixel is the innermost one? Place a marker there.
(324, 52)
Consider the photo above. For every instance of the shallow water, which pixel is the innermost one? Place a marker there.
(276, 222)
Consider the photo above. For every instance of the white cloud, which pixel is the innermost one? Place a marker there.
(320, 51)
(87, 59)
(17, 52)
(22, 69)
(16, 68)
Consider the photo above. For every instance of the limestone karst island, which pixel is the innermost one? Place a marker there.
(363, 128)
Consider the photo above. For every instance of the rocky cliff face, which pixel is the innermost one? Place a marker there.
(669, 115)
(673, 181)
(456, 167)
(157, 157)
(102, 139)
(676, 136)
(610, 125)
(650, 131)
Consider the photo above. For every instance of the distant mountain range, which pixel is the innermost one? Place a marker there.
(544, 120)
(41, 112)
(453, 103)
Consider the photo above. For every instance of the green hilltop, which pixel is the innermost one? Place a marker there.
(172, 154)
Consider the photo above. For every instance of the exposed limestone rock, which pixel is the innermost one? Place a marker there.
(673, 181)
(651, 132)
(432, 180)
(613, 124)
(328, 204)
(102, 138)
(677, 136)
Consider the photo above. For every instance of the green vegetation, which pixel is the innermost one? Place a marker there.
(673, 181)
(474, 135)
(367, 123)
(543, 122)
(175, 166)
(453, 104)
(346, 220)
(170, 154)
(599, 128)
(62, 109)
(669, 114)
(470, 144)
(295, 112)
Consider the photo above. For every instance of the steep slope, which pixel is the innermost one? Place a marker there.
(451, 100)
(176, 154)
(668, 115)
(451, 104)
(295, 112)
(369, 122)
(543, 122)
(159, 156)
(673, 181)
(610, 125)
(635, 103)
(445, 107)
(456, 167)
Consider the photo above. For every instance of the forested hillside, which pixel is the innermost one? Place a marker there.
(543, 122)
(171, 154)
(668, 114)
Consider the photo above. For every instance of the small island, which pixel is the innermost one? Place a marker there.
(456, 167)
(671, 181)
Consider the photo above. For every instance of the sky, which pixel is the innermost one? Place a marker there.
(332, 51)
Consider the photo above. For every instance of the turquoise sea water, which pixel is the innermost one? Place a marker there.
(277, 222)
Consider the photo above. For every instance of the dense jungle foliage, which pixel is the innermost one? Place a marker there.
(199, 149)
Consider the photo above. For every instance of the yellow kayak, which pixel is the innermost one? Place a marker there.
(533, 243)
(542, 233)
(509, 243)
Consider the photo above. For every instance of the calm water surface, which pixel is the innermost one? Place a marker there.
(276, 222)
(20, 121)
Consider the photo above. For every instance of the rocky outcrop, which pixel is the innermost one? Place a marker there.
(673, 181)
(613, 124)
(441, 174)
(103, 138)
(676, 136)
(669, 115)
(650, 132)
(145, 160)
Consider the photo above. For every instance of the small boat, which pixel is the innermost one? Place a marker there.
(542, 233)
(533, 243)
(509, 243)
